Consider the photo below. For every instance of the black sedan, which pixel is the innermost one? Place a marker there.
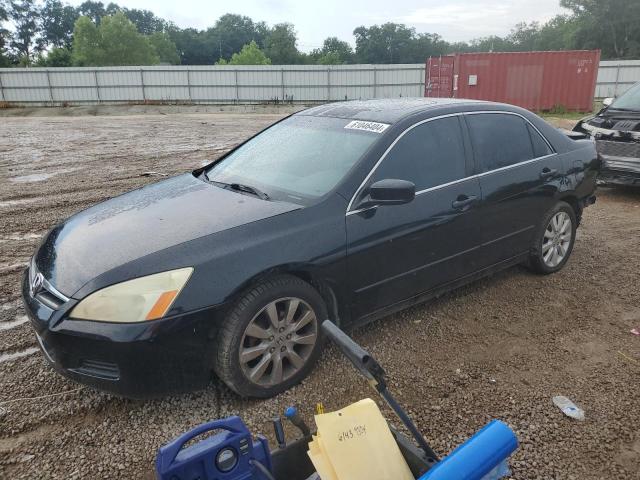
(346, 211)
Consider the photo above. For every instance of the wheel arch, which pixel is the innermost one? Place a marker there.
(573, 201)
(327, 289)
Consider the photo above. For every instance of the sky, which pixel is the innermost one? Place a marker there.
(315, 20)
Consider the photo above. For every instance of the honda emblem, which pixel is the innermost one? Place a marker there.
(36, 284)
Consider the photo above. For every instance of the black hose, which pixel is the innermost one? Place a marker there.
(264, 470)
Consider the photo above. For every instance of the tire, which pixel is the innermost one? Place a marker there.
(260, 333)
(551, 246)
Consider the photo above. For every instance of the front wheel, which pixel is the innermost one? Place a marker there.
(271, 338)
(553, 243)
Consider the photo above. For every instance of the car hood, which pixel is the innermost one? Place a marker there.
(626, 121)
(142, 222)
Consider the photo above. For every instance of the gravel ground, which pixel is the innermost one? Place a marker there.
(500, 348)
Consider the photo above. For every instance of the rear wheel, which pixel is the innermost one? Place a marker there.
(553, 243)
(271, 338)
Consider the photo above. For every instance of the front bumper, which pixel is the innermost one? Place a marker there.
(136, 360)
(617, 177)
(620, 161)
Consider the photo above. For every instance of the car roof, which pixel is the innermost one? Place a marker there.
(389, 110)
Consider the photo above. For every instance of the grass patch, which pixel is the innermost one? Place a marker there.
(560, 112)
(564, 116)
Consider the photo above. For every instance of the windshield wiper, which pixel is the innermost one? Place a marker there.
(238, 187)
(249, 189)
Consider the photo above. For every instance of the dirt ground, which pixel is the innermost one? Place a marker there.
(500, 348)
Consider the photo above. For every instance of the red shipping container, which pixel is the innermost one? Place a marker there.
(534, 80)
(439, 77)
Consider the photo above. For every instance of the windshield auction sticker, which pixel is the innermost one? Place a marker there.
(367, 126)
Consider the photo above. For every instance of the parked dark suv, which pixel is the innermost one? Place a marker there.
(346, 211)
(616, 129)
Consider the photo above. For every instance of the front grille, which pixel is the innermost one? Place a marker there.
(98, 369)
(627, 126)
(49, 299)
(609, 148)
(43, 291)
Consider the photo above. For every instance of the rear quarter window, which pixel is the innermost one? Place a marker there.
(540, 146)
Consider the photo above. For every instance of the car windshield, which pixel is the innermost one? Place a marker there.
(630, 100)
(296, 160)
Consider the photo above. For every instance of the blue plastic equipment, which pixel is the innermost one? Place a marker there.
(228, 455)
(234, 455)
(483, 455)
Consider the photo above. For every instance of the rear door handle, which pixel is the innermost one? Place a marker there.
(464, 201)
(548, 173)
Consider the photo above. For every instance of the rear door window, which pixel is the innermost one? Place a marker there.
(428, 155)
(499, 140)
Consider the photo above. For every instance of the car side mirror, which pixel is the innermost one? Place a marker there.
(391, 192)
(607, 101)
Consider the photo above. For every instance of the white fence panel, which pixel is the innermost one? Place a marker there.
(30, 96)
(213, 94)
(74, 95)
(616, 77)
(120, 78)
(72, 79)
(241, 84)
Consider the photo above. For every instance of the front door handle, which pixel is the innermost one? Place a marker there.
(464, 201)
(548, 173)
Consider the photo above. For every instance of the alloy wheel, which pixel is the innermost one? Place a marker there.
(557, 239)
(278, 341)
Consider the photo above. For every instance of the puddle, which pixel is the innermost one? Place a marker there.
(18, 237)
(14, 323)
(12, 203)
(10, 305)
(34, 177)
(7, 357)
(13, 267)
(39, 177)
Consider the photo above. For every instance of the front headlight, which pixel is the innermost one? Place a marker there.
(137, 300)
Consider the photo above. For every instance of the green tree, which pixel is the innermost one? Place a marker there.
(459, 47)
(280, 45)
(330, 58)
(388, 43)
(525, 36)
(164, 48)
(56, 57)
(94, 10)
(612, 25)
(111, 9)
(4, 12)
(557, 34)
(58, 21)
(333, 52)
(249, 55)
(4, 33)
(25, 41)
(114, 42)
(145, 21)
(425, 45)
(492, 44)
(122, 44)
(86, 43)
(193, 46)
(230, 33)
